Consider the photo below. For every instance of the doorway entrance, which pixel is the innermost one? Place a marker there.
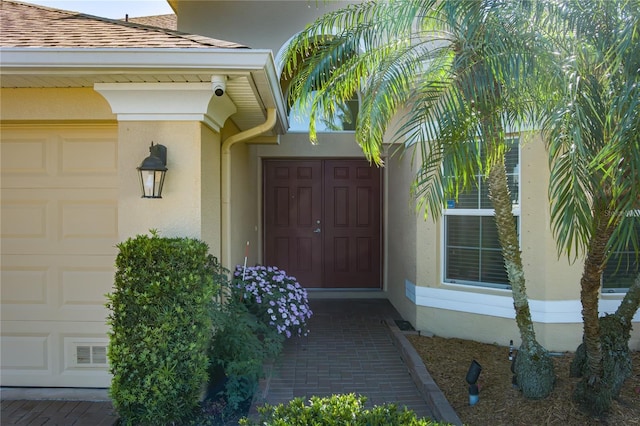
(323, 221)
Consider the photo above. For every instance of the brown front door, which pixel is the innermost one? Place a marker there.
(323, 222)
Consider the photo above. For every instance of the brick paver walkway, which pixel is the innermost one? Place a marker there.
(349, 349)
(61, 413)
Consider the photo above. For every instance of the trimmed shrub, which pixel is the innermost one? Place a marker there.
(334, 410)
(160, 318)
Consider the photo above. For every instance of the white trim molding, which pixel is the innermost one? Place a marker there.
(81, 61)
(167, 102)
(542, 311)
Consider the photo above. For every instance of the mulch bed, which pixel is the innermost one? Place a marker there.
(448, 360)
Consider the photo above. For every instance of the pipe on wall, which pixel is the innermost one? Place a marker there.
(225, 190)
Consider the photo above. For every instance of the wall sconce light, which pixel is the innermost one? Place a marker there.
(152, 171)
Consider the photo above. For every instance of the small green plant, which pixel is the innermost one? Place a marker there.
(160, 318)
(240, 345)
(334, 410)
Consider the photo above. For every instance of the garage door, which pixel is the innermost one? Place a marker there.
(59, 231)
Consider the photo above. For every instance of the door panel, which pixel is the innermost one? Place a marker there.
(351, 224)
(292, 203)
(323, 223)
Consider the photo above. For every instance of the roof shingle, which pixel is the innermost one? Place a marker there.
(28, 25)
(169, 21)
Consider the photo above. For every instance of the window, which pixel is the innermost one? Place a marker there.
(345, 113)
(472, 253)
(622, 268)
(345, 118)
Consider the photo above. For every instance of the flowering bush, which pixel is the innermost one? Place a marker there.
(275, 298)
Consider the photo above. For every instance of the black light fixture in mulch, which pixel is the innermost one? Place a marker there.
(472, 378)
(152, 171)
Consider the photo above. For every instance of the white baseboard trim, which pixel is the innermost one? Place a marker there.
(542, 311)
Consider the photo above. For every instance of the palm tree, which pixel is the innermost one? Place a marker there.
(456, 72)
(594, 149)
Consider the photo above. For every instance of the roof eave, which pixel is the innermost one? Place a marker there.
(82, 61)
(48, 59)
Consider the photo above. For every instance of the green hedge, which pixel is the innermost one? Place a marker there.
(160, 318)
(333, 411)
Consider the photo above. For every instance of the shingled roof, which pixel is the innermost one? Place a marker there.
(169, 21)
(28, 25)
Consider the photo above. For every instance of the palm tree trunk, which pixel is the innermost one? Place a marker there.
(590, 292)
(534, 368)
(508, 236)
(592, 393)
(614, 330)
(630, 303)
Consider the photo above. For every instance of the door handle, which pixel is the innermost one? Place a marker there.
(317, 230)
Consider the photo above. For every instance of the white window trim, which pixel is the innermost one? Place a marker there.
(516, 211)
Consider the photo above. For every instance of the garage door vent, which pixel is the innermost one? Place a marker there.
(91, 355)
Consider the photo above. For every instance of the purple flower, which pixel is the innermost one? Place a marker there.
(275, 297)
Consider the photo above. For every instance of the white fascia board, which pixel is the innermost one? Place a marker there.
(75, 61)
(280, 105)
(156, 60)
(501, 306)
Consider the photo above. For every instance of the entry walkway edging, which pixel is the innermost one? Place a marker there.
(442, 410)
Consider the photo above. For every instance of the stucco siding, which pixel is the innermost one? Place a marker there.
(552, 281)
(210, 190)
(245, 216)
(178, 212)
(554, 336)
(77, 104)
(339, 144)
(264, 24)
(401, 232)
(549, 276)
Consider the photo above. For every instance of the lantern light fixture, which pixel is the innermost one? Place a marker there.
(152, 171)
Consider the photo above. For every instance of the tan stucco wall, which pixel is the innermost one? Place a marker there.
(548, 276)
(77, 104)
(245, 216)
(482, 328)
(446, 323)
(339, 144)
(180, 211)
(210, 189)
(264, 24)
(401, 236)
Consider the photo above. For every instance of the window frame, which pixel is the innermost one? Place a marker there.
(614, 259)
(296, 125)
(516, 211)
